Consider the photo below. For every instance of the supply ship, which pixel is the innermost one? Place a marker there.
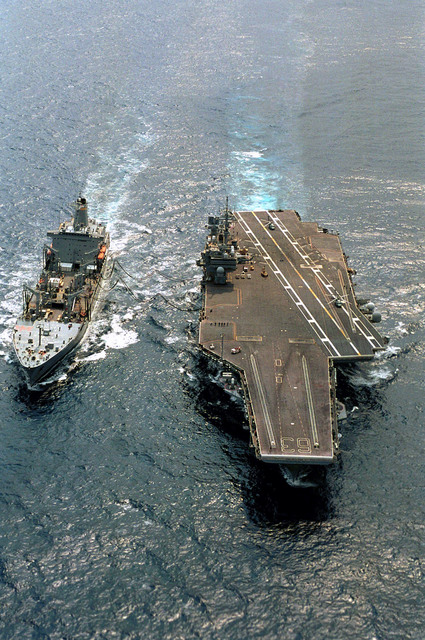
(279, 312)
(58, 309)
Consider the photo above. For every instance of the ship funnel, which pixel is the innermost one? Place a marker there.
(81, 219)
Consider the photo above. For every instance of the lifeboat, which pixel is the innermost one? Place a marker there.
(102, 252)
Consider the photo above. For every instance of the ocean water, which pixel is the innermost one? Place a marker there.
(131, 504)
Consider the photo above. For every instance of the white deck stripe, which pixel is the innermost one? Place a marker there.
(295, 297)
(310, 402)
(263, 402)
(326, 283)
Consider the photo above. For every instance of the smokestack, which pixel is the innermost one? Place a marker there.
(81, 219)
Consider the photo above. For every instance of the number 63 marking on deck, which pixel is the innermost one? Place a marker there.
(303, 445)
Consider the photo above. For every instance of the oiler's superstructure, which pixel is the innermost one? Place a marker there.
(57, 310)
(279, 310)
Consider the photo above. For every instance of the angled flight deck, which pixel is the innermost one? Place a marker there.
(279, 309)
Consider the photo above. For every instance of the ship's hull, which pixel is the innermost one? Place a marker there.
(36, 373)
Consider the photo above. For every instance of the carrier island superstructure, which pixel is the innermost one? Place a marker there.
(57, 310)
(279, 311)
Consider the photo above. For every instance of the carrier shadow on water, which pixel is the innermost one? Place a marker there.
(268, 499)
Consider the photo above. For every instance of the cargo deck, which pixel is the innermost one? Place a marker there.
(283, 312)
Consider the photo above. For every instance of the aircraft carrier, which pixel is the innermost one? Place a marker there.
(279, 310)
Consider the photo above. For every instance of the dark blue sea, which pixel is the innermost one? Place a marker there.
(131, 504)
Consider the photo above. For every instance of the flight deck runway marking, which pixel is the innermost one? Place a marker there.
(348, 305)
(326, 283)
(263, 402)
(307, 285)
(310, 402)
(354, 321)
(294, 296)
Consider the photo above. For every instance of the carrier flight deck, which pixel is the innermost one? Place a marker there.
(279, 310)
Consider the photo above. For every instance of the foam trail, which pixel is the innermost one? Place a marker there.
(253, 172)
(119, 338)
(94, 357)
(266, 167)
(108, 190)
